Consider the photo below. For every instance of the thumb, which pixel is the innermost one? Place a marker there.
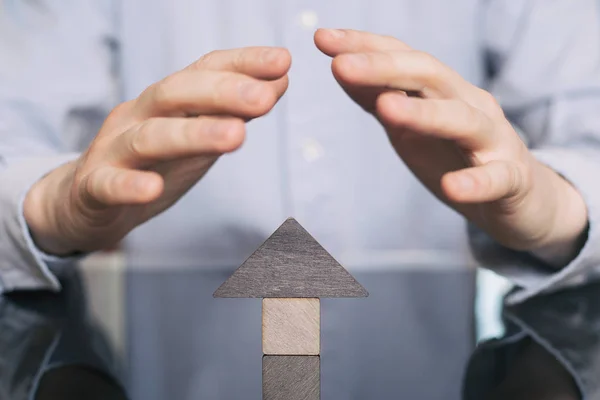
(111, 186)
(490, 182)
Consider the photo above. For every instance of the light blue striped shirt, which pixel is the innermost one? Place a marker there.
(317, 156)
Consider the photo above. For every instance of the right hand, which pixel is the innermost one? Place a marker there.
(152, 150)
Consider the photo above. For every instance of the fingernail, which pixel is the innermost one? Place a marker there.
(270, 55)
(140, 184)
(336, 33)
(465, 182)
(357, 60)
(219, 129)
(399, 100)
(251, 92)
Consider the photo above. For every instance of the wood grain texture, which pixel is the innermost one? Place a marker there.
(291, 263)
(291, 326)
(291, 378)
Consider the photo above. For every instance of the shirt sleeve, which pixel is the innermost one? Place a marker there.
(57, 82)
(544, 63)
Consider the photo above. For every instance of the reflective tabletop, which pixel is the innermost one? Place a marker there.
(77, 344)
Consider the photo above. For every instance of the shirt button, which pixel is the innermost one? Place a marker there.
(312, 150)
(308, 19)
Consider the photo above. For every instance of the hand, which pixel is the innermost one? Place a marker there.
(456, 140)
(152, 150)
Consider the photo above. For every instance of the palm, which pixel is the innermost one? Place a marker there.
(108, 224)
(430, 158)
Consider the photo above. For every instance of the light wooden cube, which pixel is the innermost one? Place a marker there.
(291, 326)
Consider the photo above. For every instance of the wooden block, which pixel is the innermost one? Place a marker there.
(291, 263)
(291, 326)
(291, 378)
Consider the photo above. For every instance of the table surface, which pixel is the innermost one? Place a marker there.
(70, 345)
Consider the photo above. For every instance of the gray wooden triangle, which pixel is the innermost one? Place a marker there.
(291, 263)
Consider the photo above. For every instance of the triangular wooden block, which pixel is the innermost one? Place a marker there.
(291, 263)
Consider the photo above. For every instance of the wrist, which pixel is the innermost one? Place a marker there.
(44, 209)
(568, 221)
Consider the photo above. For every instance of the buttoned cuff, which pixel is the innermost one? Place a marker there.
(23, 266)
(529, 273)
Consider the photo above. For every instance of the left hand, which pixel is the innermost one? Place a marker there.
(456, 140)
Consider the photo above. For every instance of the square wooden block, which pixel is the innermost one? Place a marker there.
(291, 326)
(291, 378)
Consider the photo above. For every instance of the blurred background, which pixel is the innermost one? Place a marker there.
(65, 65)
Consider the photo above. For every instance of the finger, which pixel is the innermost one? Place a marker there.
(445, 119)
(162, 139)
(401, 70)
(337, 41)
(258, 62)
(366, 97)
(112, 186)
(490, 182)
(205, 92)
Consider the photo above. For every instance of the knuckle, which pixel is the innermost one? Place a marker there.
(162, 92)
(120, 110)
(489, 103)
(206, 59)
(485, 95)
(489, 98)
(238, 61)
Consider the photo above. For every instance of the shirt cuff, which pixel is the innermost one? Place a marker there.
(529, 273)
(23, 266)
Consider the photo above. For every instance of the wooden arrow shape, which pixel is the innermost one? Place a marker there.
(291, 263)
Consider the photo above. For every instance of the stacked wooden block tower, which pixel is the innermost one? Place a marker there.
(291, 271)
